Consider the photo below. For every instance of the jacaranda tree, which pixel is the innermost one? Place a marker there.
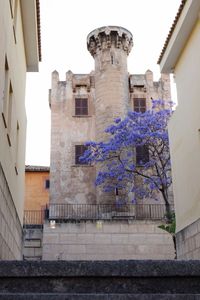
(135, 157)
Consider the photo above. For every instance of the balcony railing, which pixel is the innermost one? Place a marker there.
(34, 217)
(107, 211)
(76, 212)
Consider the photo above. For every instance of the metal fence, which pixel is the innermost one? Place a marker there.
(34, 217)
(107, 211)
(67, 212)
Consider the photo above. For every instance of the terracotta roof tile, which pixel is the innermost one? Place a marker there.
(172, 30)
(36, 169)
(39, 29)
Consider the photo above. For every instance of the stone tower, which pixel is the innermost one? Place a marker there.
(84, 105)
(110, 47)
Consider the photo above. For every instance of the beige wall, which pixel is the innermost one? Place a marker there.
(13, 66)
(184, 130)
(12, 140)
(12, 156)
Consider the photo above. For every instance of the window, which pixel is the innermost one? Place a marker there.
(139, 104)
(79, 151)
(9, 114)
(81, 106)
(47, 184)
(11, 7)
(10, 106)
(5, 93)
(17, 148)
(142, 155)
(14, 10)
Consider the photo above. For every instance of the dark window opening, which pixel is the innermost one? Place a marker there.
(139, 86)
(142, 155)
(139, 104)
(47, 184)
(79, 151)
(81, 106)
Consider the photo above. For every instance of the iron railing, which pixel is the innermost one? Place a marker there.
(71, 212)
(107, 211)
(34, 217)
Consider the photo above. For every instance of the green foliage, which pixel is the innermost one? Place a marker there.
(171, 226)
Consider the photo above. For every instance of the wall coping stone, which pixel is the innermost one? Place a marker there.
(121, 268)
(89, 280)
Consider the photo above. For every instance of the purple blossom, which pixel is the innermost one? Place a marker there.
(119, 154)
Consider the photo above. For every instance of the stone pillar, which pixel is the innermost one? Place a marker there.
(110, 47)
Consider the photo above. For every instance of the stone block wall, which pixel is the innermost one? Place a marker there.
(10, 226)
(110, 91)
(71, 183)
(32, 242)
(108, 240)
(188, 241)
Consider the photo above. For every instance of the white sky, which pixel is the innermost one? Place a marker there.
(65, 25)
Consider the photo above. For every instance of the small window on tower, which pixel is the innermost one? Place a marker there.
(139, 104)
(79, 151)
(142, 155)
(81, 106)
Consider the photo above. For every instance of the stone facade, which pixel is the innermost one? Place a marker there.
(32, 242)
(106, 241)
(10, 226)
(82, 107)
(188, 241)
(70, 183)
(110, 47)
(110, 92)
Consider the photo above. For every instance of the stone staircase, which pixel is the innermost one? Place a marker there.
(87, 280)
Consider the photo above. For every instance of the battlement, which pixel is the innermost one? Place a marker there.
(108, 37)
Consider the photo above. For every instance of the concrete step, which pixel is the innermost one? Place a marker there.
(124, 279)
(99, 296)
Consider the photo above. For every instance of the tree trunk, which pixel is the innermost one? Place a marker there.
(174, 241)
(167, 205)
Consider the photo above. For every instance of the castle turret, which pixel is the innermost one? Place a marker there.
(110, 47)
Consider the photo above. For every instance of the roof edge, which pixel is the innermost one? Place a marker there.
(29, 168)
(180, 9)
(39, 29)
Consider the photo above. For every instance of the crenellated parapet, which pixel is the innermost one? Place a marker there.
(79, 80)
(107, 37)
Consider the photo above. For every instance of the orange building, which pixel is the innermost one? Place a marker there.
(36, 187)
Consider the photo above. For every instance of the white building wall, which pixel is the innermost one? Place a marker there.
(13, 66)
(184, 131)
